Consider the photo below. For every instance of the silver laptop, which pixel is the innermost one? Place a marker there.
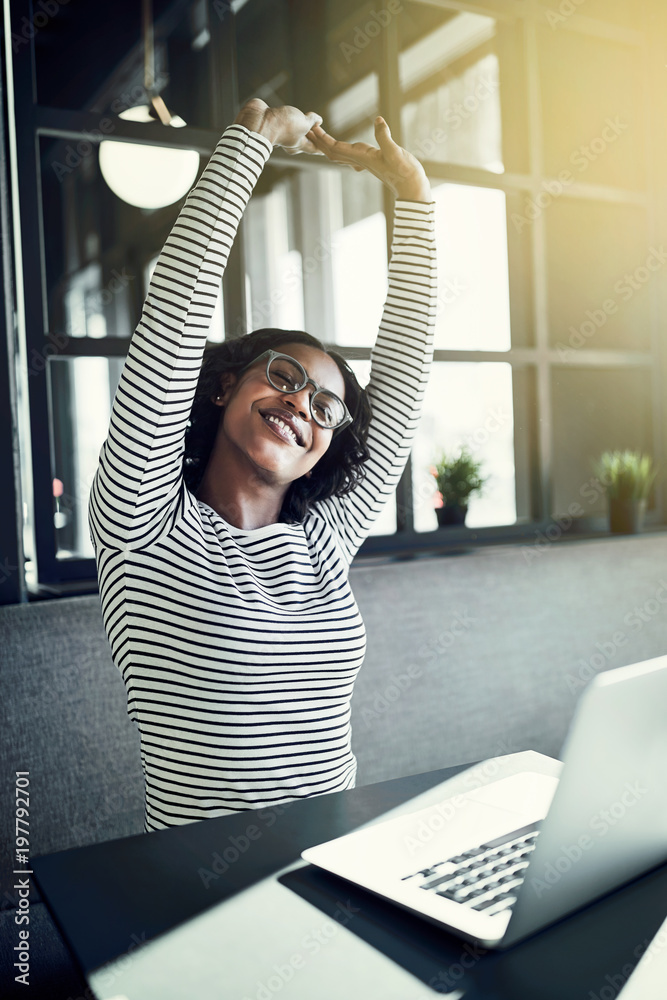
(496, 864)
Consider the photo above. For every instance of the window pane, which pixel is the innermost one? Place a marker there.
(360, 279)
(354, 105)
(468, 405)
(473, 279)
(602, 274)
(360, 192)
(450, 79)
(97, 246)
(455, 37)
(595, 410)
(274, 265)
(359, 254)
(386, 522)
(264, 55)
(81, 392)
(601, 84)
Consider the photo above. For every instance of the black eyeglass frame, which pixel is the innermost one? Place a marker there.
(270, 356)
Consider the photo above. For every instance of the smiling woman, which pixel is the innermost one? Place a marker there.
(231, 497)
(334, 473)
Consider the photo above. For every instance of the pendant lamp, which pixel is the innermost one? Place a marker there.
(148, 176)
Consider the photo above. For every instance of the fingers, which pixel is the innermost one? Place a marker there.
(341, 152)
(322, 142)
(295, 127)
(321, 139)
(304, 146)
(255, 104)
(383, 134)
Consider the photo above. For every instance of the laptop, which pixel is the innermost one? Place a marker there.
(498, 863)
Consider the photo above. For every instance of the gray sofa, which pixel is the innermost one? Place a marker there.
(469, 656)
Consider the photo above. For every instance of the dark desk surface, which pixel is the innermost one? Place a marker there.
(232, 912)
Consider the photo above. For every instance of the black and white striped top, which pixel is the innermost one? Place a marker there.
(239, 648)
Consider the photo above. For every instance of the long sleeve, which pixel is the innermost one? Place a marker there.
(400, 363)
(138, 491)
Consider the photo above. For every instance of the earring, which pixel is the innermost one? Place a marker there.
(217, 398)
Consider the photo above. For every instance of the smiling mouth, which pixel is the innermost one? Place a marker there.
(282, 429)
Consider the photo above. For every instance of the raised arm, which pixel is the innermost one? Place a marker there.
(138, 491)
(402, 355)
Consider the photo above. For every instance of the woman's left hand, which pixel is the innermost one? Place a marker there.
(394, 166)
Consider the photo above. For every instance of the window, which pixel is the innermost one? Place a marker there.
(81, 391)
(468, 405)
(473, 287)
(548, 322)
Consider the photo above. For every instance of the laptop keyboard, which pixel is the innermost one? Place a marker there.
(485, 878)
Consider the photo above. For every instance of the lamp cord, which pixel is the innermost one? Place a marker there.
(148, 33)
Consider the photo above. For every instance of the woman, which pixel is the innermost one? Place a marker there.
(223, 547)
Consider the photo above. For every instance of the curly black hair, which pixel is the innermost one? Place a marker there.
(338, 471)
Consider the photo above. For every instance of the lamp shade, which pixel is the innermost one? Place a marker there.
(147, 176)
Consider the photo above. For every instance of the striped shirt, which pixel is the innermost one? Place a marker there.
(239, 648)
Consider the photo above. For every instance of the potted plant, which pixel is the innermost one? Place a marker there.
(458, 478)
(628, 477)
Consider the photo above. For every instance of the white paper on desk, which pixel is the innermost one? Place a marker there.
(649, 979)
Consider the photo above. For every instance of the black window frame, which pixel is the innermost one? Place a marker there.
(57, 576)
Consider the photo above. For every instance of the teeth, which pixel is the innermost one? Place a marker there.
(281, 423)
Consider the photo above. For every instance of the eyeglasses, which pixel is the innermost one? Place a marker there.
(287, 375)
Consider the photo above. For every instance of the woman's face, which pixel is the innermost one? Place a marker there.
(253, 407)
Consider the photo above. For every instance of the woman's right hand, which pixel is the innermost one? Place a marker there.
(285, 126)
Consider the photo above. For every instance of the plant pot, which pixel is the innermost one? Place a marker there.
(451, 515)
(626, 517)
